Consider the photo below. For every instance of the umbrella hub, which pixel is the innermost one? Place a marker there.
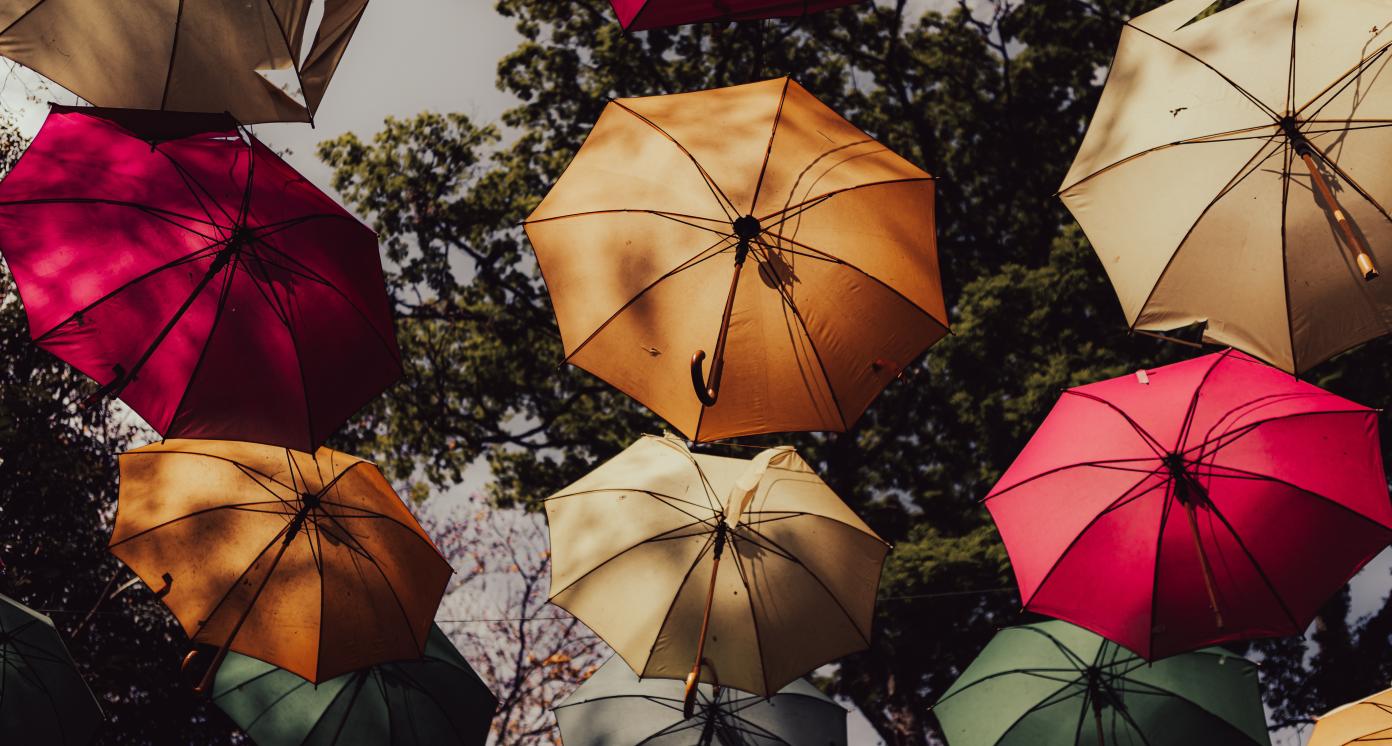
(309, 501)
(1186, 486)
(1290, 127)
(748, 228)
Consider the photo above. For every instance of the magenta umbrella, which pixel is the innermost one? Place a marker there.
(1209, 501)
(638, 15)
(189, 270)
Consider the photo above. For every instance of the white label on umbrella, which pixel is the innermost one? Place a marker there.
(1142, 377)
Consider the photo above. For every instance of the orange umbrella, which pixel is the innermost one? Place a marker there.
(645, 243)
(311, 563)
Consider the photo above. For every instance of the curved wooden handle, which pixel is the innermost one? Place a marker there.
(706, 393)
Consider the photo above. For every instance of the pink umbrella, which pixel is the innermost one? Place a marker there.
(637, 15)
(181, 264)
(1212, 500)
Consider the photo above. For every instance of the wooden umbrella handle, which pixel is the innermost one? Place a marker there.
(1203, 563)
(694, 678)
(1356, 244)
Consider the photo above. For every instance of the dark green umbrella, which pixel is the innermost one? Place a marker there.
(437, 699)
(1053, 684)
(43, 699)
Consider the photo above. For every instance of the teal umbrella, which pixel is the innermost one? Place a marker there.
(437, 699)
(616, 708)
(43, 699)
(1052, 683)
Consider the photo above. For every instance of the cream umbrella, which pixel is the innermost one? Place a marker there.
(1233, 175)
(1369, 720)
(752, 223)
(637, 546)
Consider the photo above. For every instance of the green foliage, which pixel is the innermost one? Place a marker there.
(991, 97)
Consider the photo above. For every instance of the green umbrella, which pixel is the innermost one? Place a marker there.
(43, 698)
(437, 699)
(616, 708)
(1053, 683)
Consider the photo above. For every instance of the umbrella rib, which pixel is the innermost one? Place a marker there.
(715, 189)
(697, 258)
(1247, 169)
(242, 576)
(1231, 436)
(675, 217)
(1193, 407)
(1235, 135)
(1275, 117)
(773, 134)
(664, 536)
(179, 262)
(237, 464)
(173, 50)
(812, 345)
(710, 541)
(781, 550)
(1288, 156)
(187, 516)
(754, 619)
(786, 515)
(1146, 437)
(229, 275)
(299, 359)
(836, 260)
(1245, 474)
(1342, 82)
(22, 16)
(1257, 566)
(791, 211)
(1011, 672)
(1155, 571)
(1290, 78)
(1351, 182)
(406, 617)
(194, 186)
(649, 493)
(1105, 463)
(1123, 499)
(1231, 417)
(273, 703)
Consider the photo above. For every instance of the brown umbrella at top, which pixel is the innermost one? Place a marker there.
(309, 562)
(747, 240)
(182, 55)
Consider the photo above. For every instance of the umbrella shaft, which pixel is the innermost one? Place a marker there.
(1097, 718)
(1203, 563)
(1360, 251)
(694, 678)
(718, 359)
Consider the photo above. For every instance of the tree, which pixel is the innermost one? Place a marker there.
(993, 97)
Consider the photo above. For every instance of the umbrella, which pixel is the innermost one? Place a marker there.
(43, 698)
(1369, 720)
(1054, 683)
(636, 547)
(1212, 500)
(311, 563)
(616, 708)
(188, 269)
(644, 242)
(183, 56)
(437, 699)
(1232, 175)
(637, 15)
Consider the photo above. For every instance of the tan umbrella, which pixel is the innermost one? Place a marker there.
(1369, 720)
(311, 563)
(1234, 174)
(182, 55)
(645, 244)
(637, 547)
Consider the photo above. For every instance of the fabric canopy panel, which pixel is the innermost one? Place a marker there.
(1369, 720)
(614, 707)
(43, 699)
(1209, 501)
(437, 699)
(1054, 684)
(1233, 175)
(182, 55)
(636, 15)
(184, 266)
(311, 563)
(634, 546)
(644, 240)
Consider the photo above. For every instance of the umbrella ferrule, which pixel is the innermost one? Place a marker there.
(722, 533)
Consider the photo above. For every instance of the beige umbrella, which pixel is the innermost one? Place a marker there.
(646, 244)
(1369, 720)
(637, 547)
(1234, 174)
(182, 55)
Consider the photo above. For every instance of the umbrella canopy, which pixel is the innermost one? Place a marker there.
(1211, 500)
(635, 555)
(616, 708)
(437, 699)
(636, 15)
(183, 265)
(1232, 175)
(43, 698)
(1369, 720)
(308, 562)
(1054, 683)
(183, 56)
(644, 243)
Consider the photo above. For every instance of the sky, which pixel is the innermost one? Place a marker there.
(410, 56)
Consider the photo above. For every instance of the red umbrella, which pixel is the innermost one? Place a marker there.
(180, 263)
(637, 15)
(1212, 500)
